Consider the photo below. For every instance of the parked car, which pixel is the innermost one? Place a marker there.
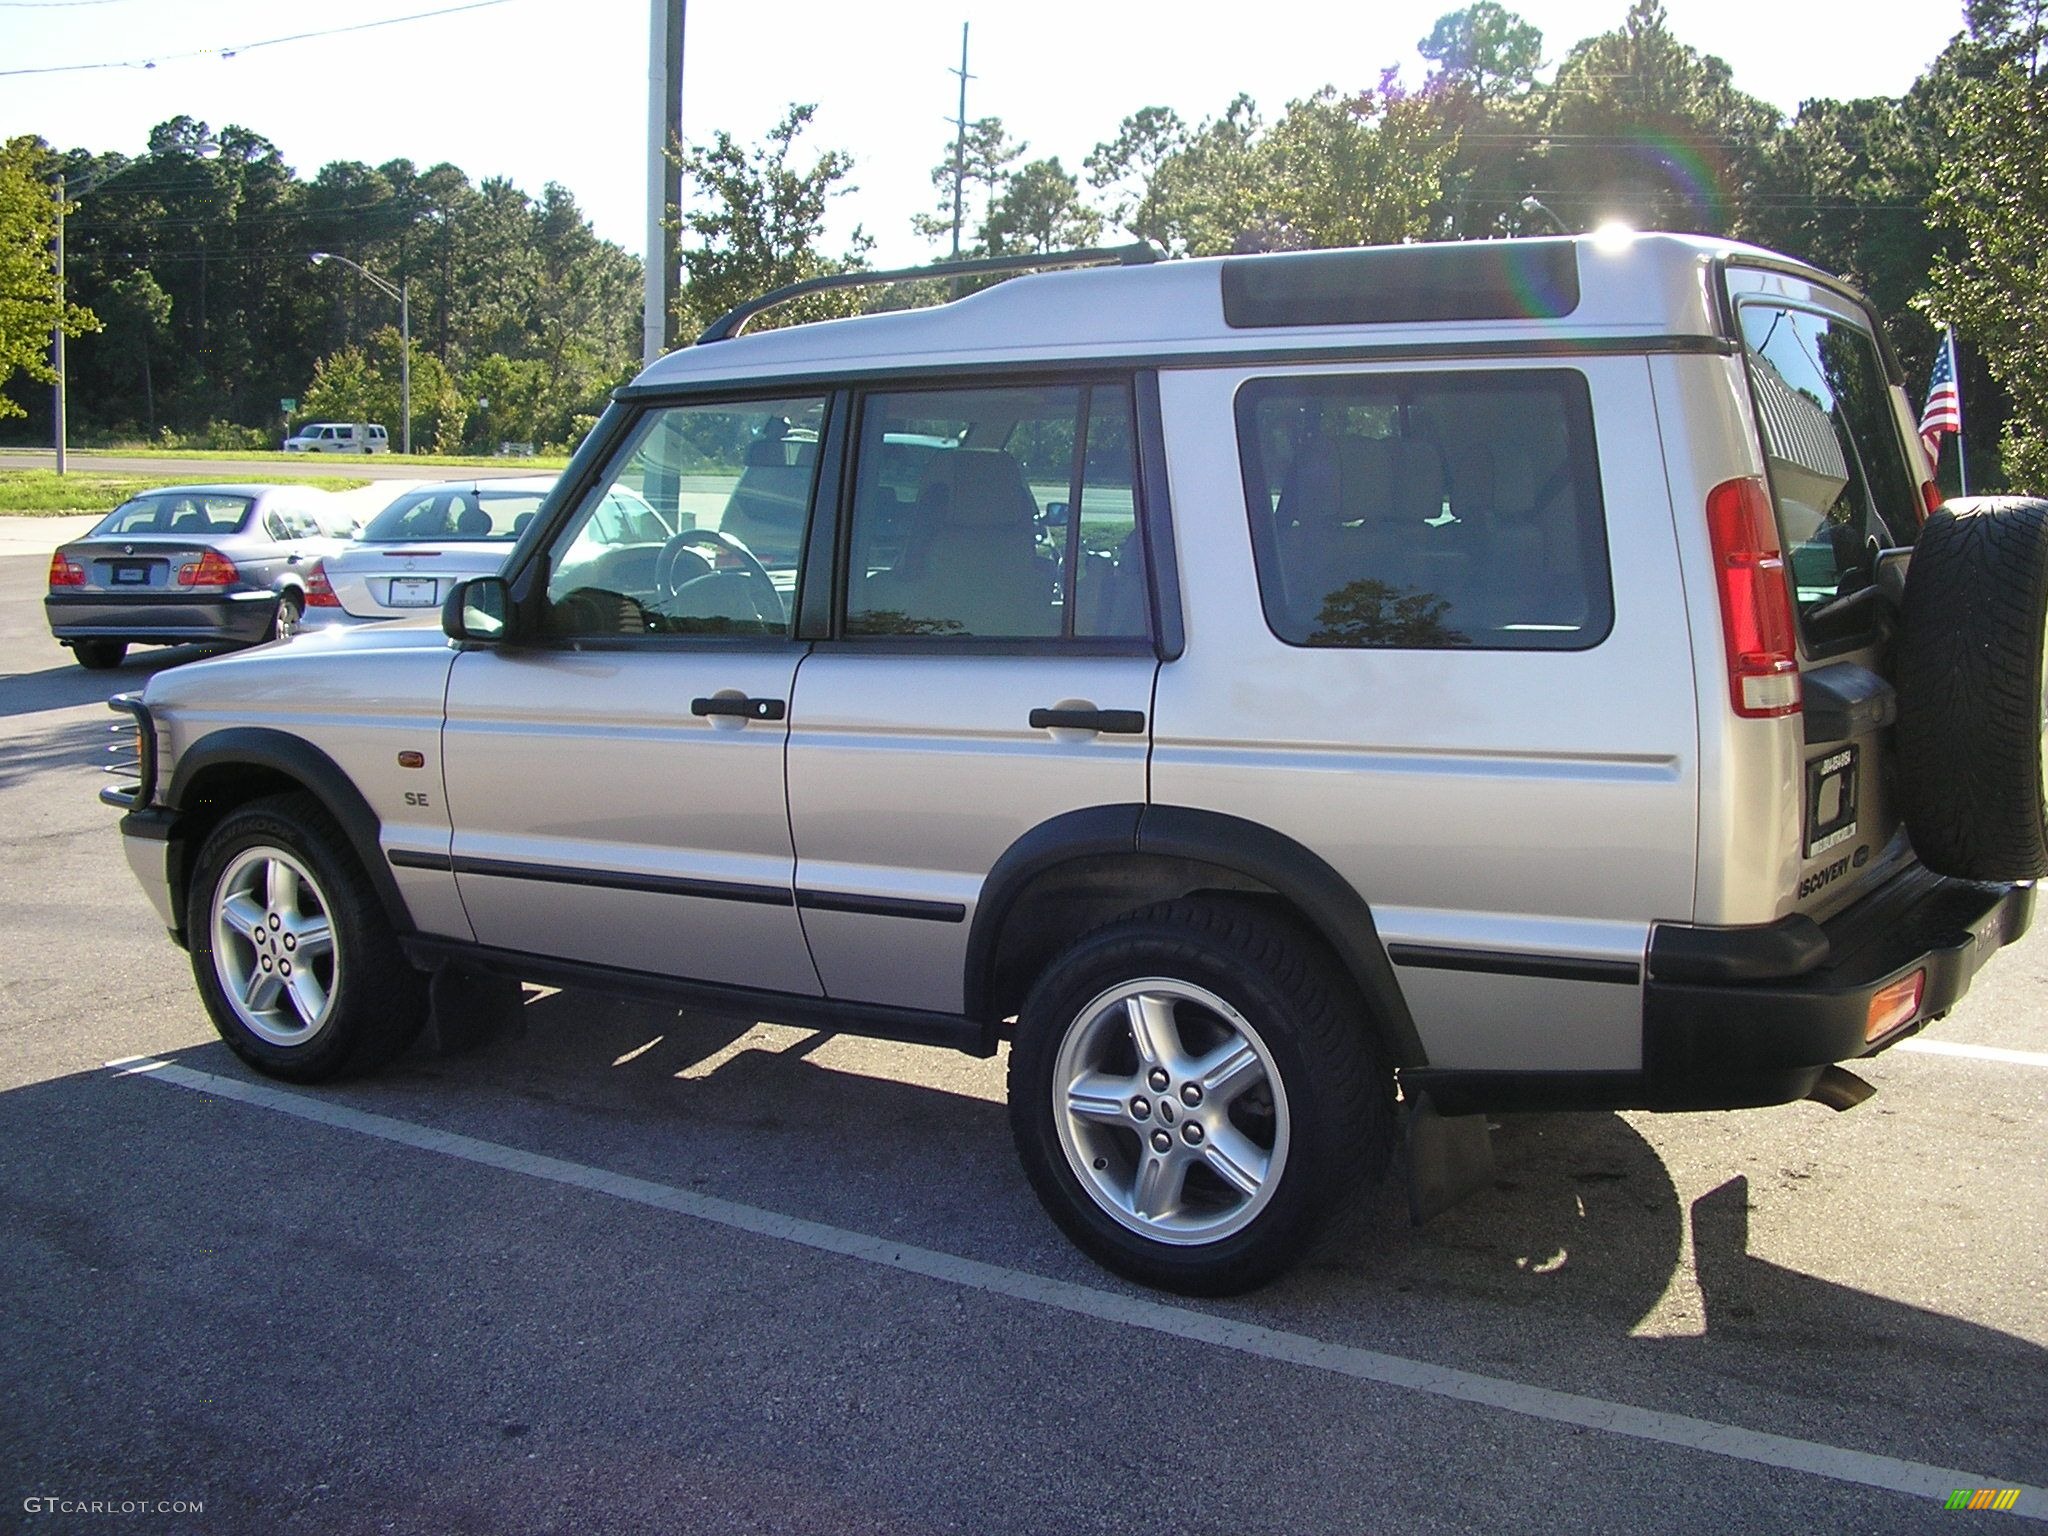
(221, 564)
(339, 437)
(419, 544)
(1304, 703)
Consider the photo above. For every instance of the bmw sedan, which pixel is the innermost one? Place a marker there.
(213, 564)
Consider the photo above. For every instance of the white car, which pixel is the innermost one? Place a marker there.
(425, 540)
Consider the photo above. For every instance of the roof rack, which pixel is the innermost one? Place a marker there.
(733, 321)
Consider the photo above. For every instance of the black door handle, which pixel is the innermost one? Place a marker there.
(745, 709)
(1112, 722)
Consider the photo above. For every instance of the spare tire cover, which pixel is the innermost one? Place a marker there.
(1973, 702)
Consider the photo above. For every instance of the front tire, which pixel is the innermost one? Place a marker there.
(1196, 1094)
(295, 961)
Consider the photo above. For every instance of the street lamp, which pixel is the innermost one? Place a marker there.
(402, 293)
(206, 149)
(1534, 204)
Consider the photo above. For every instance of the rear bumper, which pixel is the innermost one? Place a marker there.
(1734, 1018)
(162, 618)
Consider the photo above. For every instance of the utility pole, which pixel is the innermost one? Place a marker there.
(960, 143)
(664, 175)
(58, 424)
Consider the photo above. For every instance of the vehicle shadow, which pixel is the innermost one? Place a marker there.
(68, 685)
(1545, 1278)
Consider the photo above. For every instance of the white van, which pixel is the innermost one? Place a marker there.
(339, 437)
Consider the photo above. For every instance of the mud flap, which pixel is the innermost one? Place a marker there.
(467, 1010)
(1448, 1157)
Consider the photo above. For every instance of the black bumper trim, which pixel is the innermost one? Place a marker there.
(1503, 962)
(1723, 1044)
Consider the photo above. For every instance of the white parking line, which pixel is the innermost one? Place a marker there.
(1861, 1467)
(1975, 1052)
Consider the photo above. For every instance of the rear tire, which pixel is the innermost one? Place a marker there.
(99, 655)
(1212, 1154)
(1973, 698)
(294, 957)
(291, 610)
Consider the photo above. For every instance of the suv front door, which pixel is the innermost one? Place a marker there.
(616, 786)
(989, 667)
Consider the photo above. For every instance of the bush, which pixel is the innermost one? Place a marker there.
(232, 437)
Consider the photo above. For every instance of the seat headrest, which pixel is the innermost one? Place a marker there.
(977, 488)
(472, 523)
(1341, 480)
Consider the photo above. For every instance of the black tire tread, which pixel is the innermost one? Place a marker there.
(384, 1001)
(1343, 1157)
(1970, 690)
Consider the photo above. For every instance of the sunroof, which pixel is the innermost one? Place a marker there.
(1479, 280)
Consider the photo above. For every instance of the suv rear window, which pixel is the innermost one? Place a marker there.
(1837, 468)
(1427, 511)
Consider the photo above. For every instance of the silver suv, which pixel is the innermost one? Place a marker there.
(1301, 703)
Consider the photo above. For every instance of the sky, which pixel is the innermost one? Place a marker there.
(543, 90)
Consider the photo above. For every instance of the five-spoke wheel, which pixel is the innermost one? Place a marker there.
(273, 945)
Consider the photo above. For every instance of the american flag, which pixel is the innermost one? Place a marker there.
(1944, 411)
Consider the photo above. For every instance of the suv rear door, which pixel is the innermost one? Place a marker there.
(1832, 430)
(987, 666)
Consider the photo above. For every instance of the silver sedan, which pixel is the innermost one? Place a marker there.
(216, 564)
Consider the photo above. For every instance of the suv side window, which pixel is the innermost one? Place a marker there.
(1837, 469)
(695, 528)
(1005, 512)
(1427, 511)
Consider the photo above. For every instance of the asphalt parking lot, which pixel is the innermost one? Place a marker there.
(626, 1270)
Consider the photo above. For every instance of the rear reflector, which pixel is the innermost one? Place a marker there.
(65, 572)
(1756, 602)
(212, 569)
(1894, 1005)
(1930, 499)
(319, 590)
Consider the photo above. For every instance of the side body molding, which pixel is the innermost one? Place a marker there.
(249, 746)
(1242, 848)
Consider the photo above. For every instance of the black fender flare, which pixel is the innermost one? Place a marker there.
(1325, 899)
(262, 747)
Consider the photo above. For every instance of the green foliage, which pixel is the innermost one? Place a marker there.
(1040, 209)
(761, 225)
(986, 154)
(1994, 193)
(1485, 50)
(1335, 169)
(29, 308)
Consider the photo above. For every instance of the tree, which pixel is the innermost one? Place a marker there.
(29, 308)
(1125, 165)
(987, 153)
(1040, 210)
(1993, 193)
(1485, 51)
(763, 225)
(138, 320)
(1645, 129)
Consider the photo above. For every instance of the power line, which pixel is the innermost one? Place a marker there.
(241, 48)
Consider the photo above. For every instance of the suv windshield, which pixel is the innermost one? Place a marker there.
(1837, 469)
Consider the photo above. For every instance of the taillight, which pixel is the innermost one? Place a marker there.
(1930, 498)
(1756, 602)
(319, 590)
(211, 569)
(65, 572)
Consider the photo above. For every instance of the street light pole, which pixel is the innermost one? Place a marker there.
(402, 293)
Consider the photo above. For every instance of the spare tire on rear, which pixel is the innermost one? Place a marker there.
(1973, 701)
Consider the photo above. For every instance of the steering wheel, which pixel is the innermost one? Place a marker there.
(680, 565)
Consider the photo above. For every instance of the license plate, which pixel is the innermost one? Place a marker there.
(413, 592)
(1830, 801)
(131, 575)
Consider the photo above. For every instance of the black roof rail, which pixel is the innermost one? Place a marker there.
(733, 321)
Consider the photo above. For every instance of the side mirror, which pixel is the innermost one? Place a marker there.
(477, 610)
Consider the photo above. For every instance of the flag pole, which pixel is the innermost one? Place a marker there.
(1962, 462)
